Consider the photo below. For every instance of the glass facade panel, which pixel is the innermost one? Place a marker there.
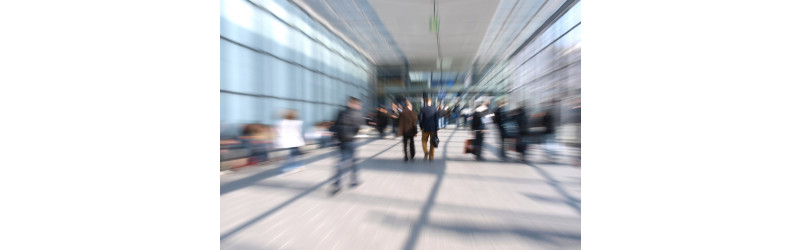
(273, 56)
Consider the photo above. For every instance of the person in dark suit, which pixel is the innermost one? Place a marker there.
(428, 122)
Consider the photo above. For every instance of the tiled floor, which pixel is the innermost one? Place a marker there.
(453, 202)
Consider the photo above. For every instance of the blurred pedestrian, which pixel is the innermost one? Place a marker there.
(479, 129)
(499, 118)
(381, 121)
(550, 129)
(347, 126)
(254, 138)
(407, 127)
(290, 136)
(465, 113)
(522, 126)
(428, 123)
(394, 115)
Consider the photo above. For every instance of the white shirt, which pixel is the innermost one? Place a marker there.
(289, 134)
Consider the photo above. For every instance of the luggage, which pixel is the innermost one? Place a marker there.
(468, 146)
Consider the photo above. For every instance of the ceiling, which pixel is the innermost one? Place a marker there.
(396, 34)
(461, 29)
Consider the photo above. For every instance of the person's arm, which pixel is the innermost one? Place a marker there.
(420, 119)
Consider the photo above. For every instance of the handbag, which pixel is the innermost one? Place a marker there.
(436, 140)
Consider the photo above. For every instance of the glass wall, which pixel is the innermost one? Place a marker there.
(274, 56)
(547, 70)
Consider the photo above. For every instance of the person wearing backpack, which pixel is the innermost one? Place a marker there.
(346, 127)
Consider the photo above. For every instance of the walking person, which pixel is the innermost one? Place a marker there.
(522, 131)
(549, 134)
(394, 117)
(440, 117)
(428, 123)
(407, 127)
(477, 125)
(381, 121)
(347, 126)
(465, 113)
(290, 136)
(499, 118)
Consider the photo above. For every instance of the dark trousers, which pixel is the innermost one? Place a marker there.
(347, 149)
(520, 145)
(502, 145)
(478, 141)
(408, 147)
(381, 129)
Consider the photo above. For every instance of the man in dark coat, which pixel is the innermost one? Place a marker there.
(407, 127)
(346, 127)
(428, 123)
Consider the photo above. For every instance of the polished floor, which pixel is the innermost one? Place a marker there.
(453, 202)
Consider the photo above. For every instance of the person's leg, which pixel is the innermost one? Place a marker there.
(479, 140)
(343, 160)
(351, 154)
(425, 147)
(289, 161)
(411, 147)
(296, 157)
(261, 153)
(405, 148)
(430, 146)
(553, 147)
(502, 146)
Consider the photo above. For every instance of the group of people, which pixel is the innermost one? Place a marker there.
(428, 121)
(513, 127)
